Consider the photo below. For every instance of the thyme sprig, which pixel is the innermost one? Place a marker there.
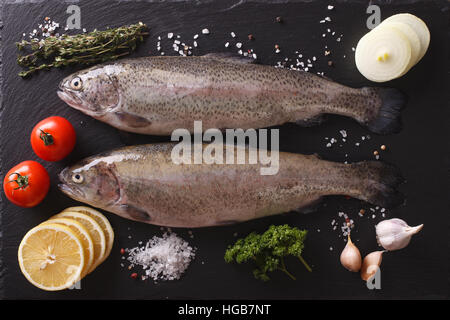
(85, 48)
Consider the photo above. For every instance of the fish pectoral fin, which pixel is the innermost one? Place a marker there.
(135, 213)
(132, 120)
(314, 121)
(226, 222)
(311, 207)
(229, 57)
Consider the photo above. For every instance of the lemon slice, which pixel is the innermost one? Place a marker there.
(419, 27)
(102, 221)
(51, 257)
(413, 39)
(96, 232)
(84, 236)
(383, 54)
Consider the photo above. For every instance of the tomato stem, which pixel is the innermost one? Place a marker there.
(22, 181)
(46, 137)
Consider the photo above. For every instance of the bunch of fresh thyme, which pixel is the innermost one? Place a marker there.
(85, 48)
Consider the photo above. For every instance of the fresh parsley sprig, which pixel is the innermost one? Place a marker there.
(268, 250)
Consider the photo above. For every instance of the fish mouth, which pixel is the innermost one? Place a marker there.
(69, 98)
(72, 192)
(77, 103)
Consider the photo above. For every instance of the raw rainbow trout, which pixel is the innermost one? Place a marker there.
(156, 95)
(142, 183)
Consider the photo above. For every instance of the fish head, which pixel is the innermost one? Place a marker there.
(93, 91)
(91, 181)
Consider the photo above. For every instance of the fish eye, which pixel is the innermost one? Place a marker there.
(76, 83)
(77, 178)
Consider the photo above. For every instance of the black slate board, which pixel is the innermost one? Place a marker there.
(421, 150)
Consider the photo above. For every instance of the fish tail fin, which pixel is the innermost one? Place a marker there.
(377, 183)
(384, 109)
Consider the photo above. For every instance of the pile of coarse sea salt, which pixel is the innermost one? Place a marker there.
(162, 258)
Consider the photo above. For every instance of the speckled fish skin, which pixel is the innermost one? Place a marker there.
(156, 95)
(142, 183)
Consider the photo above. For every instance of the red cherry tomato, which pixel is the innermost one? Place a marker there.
(26, 184)
(53, 138)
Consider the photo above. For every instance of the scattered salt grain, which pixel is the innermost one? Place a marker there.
(233, 34)
(170, 35)
(205, 31)
(163, 258)
(227, 44)
(239, 45)
(195, 36)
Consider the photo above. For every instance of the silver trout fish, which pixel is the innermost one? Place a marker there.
(156, 95)
(142, 183)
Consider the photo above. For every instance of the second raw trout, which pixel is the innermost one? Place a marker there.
(142, 183)
(156, 95)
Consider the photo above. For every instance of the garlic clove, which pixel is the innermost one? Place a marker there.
(371, 264)
(351, 257)
(395, 234)
(414, 230)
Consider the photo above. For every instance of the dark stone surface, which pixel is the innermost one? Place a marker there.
(421, 150)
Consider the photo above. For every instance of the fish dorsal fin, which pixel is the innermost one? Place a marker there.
(229, 57)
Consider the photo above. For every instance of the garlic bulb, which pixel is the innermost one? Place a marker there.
(350, 257)
(395, 234)
(371, 264)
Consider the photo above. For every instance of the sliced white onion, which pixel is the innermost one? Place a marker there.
(383, 54)
(413, 39)
(419, 27)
